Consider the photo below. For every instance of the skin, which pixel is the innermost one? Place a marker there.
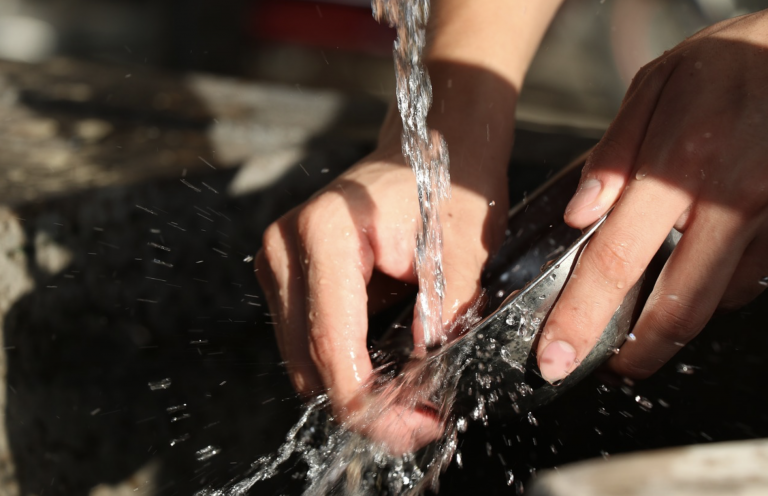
(687, 150)
(327, 262)
(694, 131)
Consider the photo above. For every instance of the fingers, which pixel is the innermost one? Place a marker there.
(608, 166)
(336, 264)
(281, 278)
(687, 292)
(750, 277)
(609, 266)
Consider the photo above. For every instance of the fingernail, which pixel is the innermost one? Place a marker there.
(586, 194)
(556, 361)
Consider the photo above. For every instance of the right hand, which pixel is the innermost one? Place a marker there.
(317, 269)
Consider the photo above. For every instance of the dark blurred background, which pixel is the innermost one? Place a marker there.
(591, 52)
(145, 146)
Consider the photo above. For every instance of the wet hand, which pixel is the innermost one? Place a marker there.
(325, 263)
(687, 150)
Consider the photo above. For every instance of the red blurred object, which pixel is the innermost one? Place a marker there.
(320, 24)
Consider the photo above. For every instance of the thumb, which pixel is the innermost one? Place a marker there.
(611, 162)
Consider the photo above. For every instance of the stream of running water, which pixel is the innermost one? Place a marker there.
(424, 150)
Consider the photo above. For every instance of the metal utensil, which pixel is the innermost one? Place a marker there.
(509, 333)
(524, 281)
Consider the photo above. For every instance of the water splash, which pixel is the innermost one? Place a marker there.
(160, 385)
(207, 453)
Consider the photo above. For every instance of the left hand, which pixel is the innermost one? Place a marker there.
(688, 149)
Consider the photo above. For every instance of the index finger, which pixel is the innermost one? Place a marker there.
(610, 265)
(338, 264)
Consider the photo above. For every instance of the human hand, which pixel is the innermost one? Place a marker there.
(687, 150)
(317, 269)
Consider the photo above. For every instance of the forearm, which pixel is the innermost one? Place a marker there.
(477, 55)
(500, 36)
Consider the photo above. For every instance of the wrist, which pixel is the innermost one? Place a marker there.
(474, 109)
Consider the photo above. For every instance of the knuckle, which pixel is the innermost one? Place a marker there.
(732, 304)
(614, 262)
(316, 213)
(640, 76)
(605, 152)
(321, 350)
(676, 318)
(750, 197)
(739, 296)
(272, 239)
(635, 367)
(306, 220)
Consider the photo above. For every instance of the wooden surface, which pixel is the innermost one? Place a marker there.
(69, 126)
(734, 469)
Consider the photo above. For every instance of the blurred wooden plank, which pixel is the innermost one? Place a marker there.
(68, 126)
(734, 468)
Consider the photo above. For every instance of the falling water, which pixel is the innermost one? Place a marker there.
(424, 150)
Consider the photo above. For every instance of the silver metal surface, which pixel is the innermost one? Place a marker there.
(514, 327)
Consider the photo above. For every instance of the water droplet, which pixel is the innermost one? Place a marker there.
(631, 337)
(620, 284)
(488, 449)
(161, 384)
(642, 173)
(176, 408)
(181, 439)
(644, 402)
(512, 319)
(459, 459)
(249, 258)
(461, 424)
(492, 204)
(207, 453)
(532, 420)
(685, 369)
(510, 478)
(603, 411)
(764, 281)
(506, 355)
